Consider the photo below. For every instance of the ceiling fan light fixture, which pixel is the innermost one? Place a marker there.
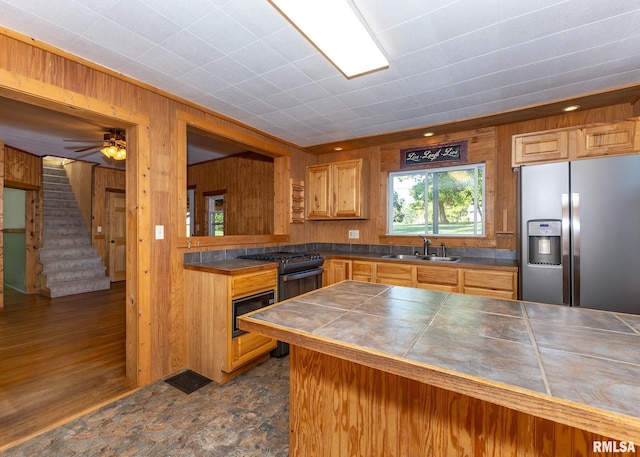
(114, 146)
(336, 28)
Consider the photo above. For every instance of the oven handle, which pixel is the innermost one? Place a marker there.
(302, 274)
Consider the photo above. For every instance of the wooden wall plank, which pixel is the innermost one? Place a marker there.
(80, 176)
(340, 408)
(2, 174)
(248, 182)
(21, 169)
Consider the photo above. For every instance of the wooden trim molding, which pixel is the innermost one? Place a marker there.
(138, 331)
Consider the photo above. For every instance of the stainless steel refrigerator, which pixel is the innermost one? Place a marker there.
(580, 233)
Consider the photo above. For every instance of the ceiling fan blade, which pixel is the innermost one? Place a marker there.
(88, 149)
(85, 155)
(84, 141)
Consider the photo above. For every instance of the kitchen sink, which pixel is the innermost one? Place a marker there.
(428, 258)
(434, 258)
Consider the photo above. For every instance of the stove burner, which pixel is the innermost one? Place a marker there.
(289, 261)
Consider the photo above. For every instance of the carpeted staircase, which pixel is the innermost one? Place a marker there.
(70, 263)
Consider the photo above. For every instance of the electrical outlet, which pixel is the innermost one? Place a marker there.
(354, 234)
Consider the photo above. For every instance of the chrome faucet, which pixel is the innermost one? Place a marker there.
(425, 246)
(444, 250)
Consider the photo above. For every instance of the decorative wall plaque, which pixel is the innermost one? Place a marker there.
(439, 154)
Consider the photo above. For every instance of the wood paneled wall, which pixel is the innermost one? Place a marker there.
(2, 173)
(35, 73)
(342, 409)
(80, 176)
(490, 145)
(248, 181)
(21, 169)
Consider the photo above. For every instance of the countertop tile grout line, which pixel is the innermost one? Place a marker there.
(534, 343)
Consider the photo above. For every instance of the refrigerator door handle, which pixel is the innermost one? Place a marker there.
(566, 250)
(575, 234)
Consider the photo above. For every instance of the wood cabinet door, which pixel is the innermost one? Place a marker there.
(609, 139)
(542, 147)
(362, 271)
(347, 184)
(318, 191)
(499, 284)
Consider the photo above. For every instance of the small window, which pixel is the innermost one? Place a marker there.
(437, 201)
(215, 214)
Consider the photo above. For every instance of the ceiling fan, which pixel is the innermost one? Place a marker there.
(113, 145)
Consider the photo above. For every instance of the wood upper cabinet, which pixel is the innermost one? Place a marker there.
(579, 143)
(336, 191)
(610, 139)
(542, 147)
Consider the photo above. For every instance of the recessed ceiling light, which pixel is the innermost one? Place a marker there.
(337, 148)
(571, 108)
(336, 28)
(427, 134)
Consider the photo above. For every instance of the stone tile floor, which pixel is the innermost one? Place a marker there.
(248, 417)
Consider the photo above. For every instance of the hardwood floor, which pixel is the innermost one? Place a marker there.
(59, 358)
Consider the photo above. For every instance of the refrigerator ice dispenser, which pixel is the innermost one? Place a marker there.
(544, 242)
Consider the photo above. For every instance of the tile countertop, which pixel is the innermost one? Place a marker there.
(575, 366)
(232, 267)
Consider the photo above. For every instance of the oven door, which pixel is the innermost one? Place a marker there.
(293, 284)
(245, 305)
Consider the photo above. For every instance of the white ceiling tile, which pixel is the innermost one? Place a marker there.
(291, 44)
(287, 77)
(449, 59)
(233, 95)
(141, 72)
(222, 32)
(192, 48)
(308, 93)
(258, 87)
(259, 57)
(201, 78)
(154, 27)
(183, 14)
(260, 18)
(117, 38)
(166, 62)
(229, 70)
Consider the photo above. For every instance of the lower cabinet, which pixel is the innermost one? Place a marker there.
(361, 271)
(488, 282)
(497, 284)
(211, 348)
(336, 270)
(437, 278)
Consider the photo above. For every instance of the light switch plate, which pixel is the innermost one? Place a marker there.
(159, 232)
(354, 234)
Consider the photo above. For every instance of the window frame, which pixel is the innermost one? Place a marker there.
(482, 232)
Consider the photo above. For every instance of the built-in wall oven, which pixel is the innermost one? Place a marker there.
(245, 305)
(298, 273)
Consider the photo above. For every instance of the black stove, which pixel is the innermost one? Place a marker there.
(298, 273)
(290, 262)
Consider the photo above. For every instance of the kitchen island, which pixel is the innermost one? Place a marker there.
(390, 370)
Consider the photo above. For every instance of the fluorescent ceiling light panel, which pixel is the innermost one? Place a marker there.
(337, 30)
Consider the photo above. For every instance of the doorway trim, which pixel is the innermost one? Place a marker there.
(138, 191)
